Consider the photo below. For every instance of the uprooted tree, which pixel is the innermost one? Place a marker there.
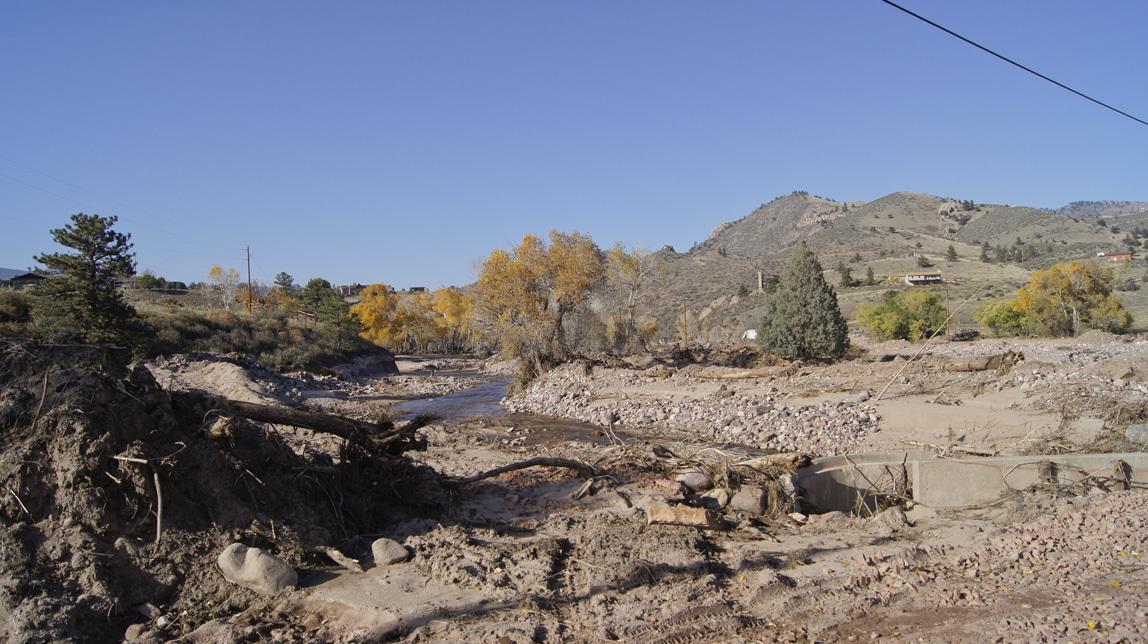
(86, 300)
(524, 294)
(803, 319)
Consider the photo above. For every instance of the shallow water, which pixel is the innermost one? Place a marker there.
(477, 401)
(483, 401)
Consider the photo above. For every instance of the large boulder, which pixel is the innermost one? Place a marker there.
(256, 569)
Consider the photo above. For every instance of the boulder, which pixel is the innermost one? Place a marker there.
(750, 499)
(388, 551)
(256, 569)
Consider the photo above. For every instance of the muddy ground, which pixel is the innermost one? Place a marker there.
(517, 558)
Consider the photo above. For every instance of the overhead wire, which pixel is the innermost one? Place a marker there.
(1013, 62)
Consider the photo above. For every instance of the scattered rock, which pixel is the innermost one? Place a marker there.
(1137, 433)
(256, 569)
(388, 551)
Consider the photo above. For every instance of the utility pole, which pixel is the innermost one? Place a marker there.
(685, 327)
(948, 316)
(249, 292)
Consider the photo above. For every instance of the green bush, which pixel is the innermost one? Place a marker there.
(1001, 318)
(912, 315)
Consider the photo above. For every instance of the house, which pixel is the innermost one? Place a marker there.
(920, 278)
(23, 280)
(418, 289)
(349, 290)
(1120, 257)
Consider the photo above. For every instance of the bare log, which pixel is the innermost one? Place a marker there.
(355, 431)
(544, 461)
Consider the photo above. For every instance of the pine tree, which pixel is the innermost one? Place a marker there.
(802, 317)
(87, 300)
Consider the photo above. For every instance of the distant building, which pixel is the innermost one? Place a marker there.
(920, 278)
(23, 280)
(763, 278)
(348, 290)
(1120, 257)
(418, 289)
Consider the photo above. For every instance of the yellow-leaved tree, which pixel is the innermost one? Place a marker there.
(628, 275)
(417, 322)
(1070, 296)
(456, 312)
(378, 312)
(524, 294)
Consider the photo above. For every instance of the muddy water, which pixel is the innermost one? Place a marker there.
(483, 401)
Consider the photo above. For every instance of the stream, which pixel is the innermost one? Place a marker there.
(484, 401)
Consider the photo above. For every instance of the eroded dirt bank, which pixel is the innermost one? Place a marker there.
(544, 554)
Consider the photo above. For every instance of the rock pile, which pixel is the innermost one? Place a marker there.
(759, 421)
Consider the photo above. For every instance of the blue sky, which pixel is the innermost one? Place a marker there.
(402, 141)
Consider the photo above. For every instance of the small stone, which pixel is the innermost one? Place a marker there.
(1137, 433)
(389, 551)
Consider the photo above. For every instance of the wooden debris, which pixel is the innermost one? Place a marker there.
(338, 557)
(770, 463)
(543, 461)
(686, 516)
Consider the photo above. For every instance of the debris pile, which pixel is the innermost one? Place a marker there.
(118, 496)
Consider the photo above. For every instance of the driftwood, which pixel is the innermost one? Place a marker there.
(791, 461)
(372, 437)
(544, 461)
(338, 557)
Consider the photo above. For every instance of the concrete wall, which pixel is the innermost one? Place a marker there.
(845, 482)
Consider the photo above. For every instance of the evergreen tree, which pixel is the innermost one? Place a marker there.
(951, 255)
(87, 300)
(802, 318)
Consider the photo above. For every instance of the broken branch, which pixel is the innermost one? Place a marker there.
(544, 461)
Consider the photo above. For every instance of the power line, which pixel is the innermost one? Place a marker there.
(1013, 62)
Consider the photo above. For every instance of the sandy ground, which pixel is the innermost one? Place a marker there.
(517, 558)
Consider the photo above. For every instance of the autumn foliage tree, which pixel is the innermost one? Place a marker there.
(524, 293)
(415, 322)
(628, 275)
(223, 282)
(1070, 296)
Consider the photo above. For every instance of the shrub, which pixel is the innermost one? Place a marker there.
(1001, 318)
(912, 315)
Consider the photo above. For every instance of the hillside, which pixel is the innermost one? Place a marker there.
(716, 281)
(1102, 208)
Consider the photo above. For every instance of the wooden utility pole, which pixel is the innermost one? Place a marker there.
(948, 316)
(250, 294)
(685, 327)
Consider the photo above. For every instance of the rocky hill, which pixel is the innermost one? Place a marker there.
(716, 281)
